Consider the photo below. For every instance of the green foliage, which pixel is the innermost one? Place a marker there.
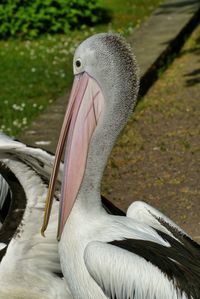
(30, 18)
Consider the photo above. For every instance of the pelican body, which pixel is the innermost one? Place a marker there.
(29, 264)
(143, 255)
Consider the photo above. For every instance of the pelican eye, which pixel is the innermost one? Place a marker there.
(78, 63)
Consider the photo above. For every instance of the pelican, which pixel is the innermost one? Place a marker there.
(24, 175)
(143, 255)
(29, 264)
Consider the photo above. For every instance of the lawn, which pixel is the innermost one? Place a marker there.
(34, 73)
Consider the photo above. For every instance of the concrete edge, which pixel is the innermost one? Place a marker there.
(151, 75)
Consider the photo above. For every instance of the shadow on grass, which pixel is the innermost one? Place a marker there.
(193, 77)
(178, 7)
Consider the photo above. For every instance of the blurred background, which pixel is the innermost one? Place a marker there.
(37, 42)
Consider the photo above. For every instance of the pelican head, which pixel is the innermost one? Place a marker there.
(103, 95)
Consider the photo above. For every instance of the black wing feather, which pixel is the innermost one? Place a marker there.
(180, 262)
(111, 208)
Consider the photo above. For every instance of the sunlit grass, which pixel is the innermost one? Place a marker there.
(32, 75)
(35, 73)
(128, 14)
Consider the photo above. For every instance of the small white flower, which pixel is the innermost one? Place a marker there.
(15, 107)
(24, 121)
(71, 50)
(62, 75)
(16, 123)
(64, 51)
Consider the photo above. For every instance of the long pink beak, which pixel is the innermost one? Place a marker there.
(83, 112)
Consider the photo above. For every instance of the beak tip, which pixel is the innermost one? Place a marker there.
(42, 232)
(58, 236)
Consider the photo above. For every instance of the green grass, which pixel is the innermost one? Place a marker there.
(32, 75)
(35, 73)
(128, 14)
